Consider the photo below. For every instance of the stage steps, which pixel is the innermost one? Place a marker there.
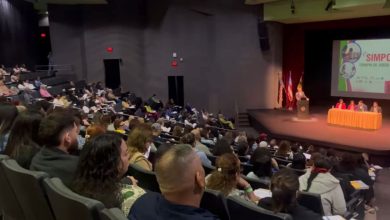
(243, 119)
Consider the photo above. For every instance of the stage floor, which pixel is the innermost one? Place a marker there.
(280, 124)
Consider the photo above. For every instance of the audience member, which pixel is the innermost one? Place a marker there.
(190, 140)
(23, 142)
(284, 188)
(262, 165)
(221, 147)
(138, 142)
(8, 113)
(226, 178)
(284, 150)
(178, 199)
(103, 163)
(198, 145)
(58, 133)
(319, 180)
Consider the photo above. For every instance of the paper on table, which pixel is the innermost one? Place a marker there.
(308, 156)
(359, 185)
(377, 167)
(263, 193)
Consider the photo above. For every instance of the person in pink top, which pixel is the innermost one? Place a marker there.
(341, 104)
(44, 93)
(351, 105)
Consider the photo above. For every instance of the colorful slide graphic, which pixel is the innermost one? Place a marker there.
(364, 66)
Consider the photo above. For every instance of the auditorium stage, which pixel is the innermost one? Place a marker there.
(280, 124)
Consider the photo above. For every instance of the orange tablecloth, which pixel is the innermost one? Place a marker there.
(347, 118)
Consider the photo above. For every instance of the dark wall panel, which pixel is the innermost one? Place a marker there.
(223, 66)
(19, 33)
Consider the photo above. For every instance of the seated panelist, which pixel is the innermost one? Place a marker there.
(376, 108)
(341, 104)
(351, 105)
(361, 107)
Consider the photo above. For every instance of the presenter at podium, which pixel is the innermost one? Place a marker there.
(300, 94)
(302, 103)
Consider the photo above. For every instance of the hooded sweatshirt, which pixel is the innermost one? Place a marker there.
(332, 197)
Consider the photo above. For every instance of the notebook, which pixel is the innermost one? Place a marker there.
(359, 185)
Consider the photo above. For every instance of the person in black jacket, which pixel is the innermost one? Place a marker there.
(58, 132)
(284, 188)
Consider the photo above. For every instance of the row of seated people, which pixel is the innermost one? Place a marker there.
(15, 70)
(58, 132)
(360, 107)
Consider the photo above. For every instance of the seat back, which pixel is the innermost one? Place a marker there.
(282, 161)
(9, 204)
(112, 214)
(296, 171)
(69, 205)
(311, 201)
(146, 179)
(28, 189)
(215, 202)
(255, 183)
(242, 209)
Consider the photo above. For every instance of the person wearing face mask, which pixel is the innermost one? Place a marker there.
(139, 142)
(109, 152)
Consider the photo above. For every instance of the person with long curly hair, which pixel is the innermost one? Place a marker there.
(102, 166)
(226, 178)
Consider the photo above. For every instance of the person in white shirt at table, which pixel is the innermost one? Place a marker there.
(376, 108)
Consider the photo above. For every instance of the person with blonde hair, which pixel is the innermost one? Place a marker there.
(139, 143)
(226, 178)
(180, 176)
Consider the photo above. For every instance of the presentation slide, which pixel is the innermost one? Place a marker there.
(361, 68)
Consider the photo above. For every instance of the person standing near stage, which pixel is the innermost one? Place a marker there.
(351, 105)
(361, 107)
(341, 104)
(300, 94)
(376, 108)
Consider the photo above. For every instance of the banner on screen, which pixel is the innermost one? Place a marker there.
(361, 68)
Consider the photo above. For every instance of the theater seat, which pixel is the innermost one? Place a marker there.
(68, 205)
(255, 183)
(146, 179)
(311, 201)
(282, 161)
(215, 202)
(9, 204)
(112, 214)
(296, 171)
(28, 189)
(242, 209)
